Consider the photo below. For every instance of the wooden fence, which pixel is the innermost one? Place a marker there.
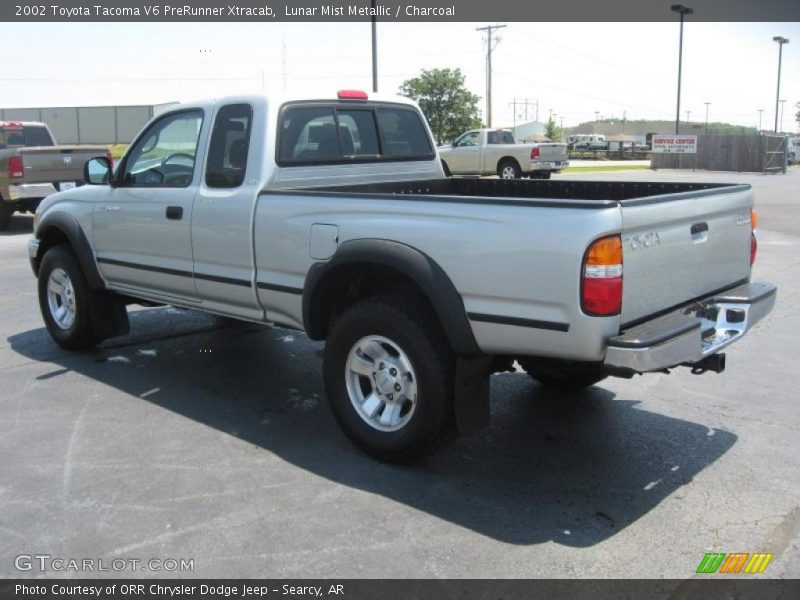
(757, 153)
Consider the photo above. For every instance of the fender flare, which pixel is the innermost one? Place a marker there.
(70, 227)
(416, 265)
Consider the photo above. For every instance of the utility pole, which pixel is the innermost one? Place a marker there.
(688, 114)
(489, 29)
(760, 111)
(524, 103)
(707, 105)
(283, 61)
(596, 115)
(374, 48)
(683, 11)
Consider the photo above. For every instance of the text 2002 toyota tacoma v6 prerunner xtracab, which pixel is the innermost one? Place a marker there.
(333, 216)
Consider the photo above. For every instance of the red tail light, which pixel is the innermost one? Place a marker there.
(601, 282)
(352, 95)
(15, 166)
(536, 152)
(753, 248)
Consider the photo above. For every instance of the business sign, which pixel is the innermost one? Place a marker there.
(674, 144)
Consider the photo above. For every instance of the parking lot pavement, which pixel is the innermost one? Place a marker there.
(200, 439)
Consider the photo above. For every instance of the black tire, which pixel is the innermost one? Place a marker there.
(80, 335)
(563, 375)
(409, 325)
(446, 169)
(5, 215)
(511, 165)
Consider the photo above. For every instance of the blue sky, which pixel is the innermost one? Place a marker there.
(574, 69)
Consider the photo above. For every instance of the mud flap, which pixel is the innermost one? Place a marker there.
(472, 393)
(109, 316)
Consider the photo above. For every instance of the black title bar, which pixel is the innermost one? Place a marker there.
(391, 10)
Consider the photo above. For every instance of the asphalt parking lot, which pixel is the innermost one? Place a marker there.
(202, 439)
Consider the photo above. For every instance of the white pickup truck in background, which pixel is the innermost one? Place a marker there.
(496, 152)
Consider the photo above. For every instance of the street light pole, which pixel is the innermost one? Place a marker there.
(683, 11)
(781, 41)
(707, 104)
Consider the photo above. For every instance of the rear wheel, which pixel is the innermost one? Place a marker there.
(560, 374)
(389, 378)
(64, 300)
(509, 169)
(5, 215)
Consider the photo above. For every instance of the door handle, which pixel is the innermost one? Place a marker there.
(175, 212)
(699, 232)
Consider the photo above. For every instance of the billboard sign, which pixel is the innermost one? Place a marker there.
(674, 144)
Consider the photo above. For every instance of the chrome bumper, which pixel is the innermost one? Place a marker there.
(556, 165)
(30, 191)
(689, 334)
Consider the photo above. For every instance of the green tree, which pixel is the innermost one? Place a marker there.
(451, 109)
(551, 130)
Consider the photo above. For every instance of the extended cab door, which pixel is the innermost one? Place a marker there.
(465, 156)
(222, 221)
(142, 224)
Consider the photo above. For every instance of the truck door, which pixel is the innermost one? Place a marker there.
(223, 212)
(465, 156)
(142, 226)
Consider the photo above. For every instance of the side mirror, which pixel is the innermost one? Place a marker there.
(97, 171)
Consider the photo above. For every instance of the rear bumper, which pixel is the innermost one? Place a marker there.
(30, 191)
(548, 166)
(691, 333)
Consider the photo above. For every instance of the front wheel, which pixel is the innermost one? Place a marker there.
(389, 378)
(64, 300)
(562, 374)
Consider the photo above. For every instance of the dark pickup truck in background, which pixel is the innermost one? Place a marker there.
(32, 167)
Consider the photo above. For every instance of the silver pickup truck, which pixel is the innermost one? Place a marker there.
(496, 152)
(33, 167)
(333, 216)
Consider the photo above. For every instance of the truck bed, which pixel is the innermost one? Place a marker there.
(584, 194)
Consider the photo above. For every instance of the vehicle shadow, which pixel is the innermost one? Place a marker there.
(573, 469)
(20, 224)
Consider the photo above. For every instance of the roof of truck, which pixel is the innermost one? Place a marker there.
(281, 98)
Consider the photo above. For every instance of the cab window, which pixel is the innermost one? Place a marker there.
(468, 139)
(164, 156)
(228, 148)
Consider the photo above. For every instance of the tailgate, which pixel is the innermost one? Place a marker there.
(553, 152)
(48, 164)
(683, 246)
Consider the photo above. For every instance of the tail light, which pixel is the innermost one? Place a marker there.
(601, 284)
(753, 241)
(15, 166)
(535, 152)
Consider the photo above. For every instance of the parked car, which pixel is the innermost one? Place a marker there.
(421, 285)
(32, 167)
(496, 152)
(585, 141)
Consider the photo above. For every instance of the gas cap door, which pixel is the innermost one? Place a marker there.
(323, 241)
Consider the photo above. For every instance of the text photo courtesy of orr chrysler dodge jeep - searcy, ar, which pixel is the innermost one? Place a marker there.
(333, 216)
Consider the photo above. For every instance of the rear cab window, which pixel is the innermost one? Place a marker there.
(343, 132)
(18, 135)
